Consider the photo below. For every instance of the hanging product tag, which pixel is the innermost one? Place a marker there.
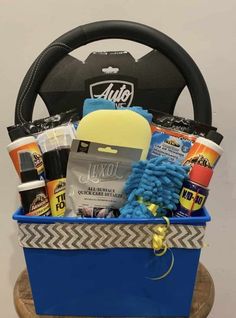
(96, 175)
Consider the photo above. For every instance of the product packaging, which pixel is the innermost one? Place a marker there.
(173, 136)
(55, 145)
(178, 123)
(175, 145)
(195, 191)
(36, 127)
(55, 172)
(206, 151)
(32, 191)
(21, 142)
(96, 175)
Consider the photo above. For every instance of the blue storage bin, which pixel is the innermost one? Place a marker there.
(110, 281)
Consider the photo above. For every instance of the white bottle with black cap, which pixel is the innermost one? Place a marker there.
(32, 191)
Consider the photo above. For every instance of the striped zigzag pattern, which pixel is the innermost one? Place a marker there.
(68, 236)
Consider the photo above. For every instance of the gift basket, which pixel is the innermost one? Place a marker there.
(113, 194)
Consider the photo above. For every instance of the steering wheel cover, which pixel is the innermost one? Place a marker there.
(91, 32)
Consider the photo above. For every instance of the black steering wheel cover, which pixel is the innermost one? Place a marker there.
(111, 30)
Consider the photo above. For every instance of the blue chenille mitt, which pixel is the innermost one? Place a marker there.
(153, 188)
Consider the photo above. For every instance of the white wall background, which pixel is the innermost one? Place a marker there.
(206, 29)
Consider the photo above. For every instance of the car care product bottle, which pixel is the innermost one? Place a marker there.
(205, 151)
(33, 192)
(195, 191)
(55, 172)
(23, 142)
(55, 145)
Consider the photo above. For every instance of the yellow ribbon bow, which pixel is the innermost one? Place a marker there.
(159, 236)
(159, 245)
(152, 207)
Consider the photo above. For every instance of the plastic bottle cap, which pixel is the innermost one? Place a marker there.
(201, 175)
(31, 185)
(54, 138)
(16, 132)
(214, 136)
(210, 144)
(28, 172)
(55, 163)
(22, 141)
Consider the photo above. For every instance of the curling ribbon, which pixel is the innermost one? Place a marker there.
(160, 247)
(152, 207)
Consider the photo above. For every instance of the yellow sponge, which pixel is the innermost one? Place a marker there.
(123, 128)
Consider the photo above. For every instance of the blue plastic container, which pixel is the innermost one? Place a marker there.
(112, 282)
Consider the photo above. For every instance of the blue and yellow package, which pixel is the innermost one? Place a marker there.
(175, 145)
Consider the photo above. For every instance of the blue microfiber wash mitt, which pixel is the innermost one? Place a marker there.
(141, 111)
(153, 188)
(92, 104)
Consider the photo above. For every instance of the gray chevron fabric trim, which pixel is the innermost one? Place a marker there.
(67, 236)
